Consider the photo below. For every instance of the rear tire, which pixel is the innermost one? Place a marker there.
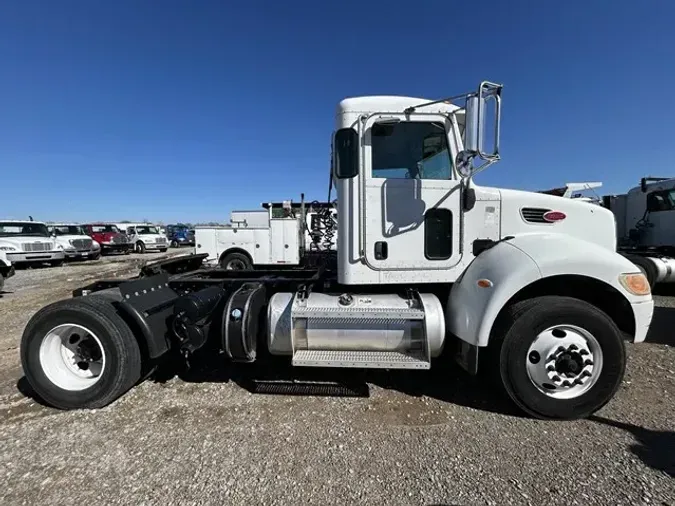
(236, 262)
(646, 267)
(568, 340)
(57, 380)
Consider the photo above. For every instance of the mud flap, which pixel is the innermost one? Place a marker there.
(241, 322)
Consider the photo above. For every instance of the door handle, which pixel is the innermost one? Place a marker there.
(381, 250)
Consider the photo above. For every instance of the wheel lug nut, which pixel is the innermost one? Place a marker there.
(578, 381)
(550, 368)
(588, 362)
(573, 347)
(586, 374)
(583, 352)
(561, 349)
(556, 378)
(566, 383)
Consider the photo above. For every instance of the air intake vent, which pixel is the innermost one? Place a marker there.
(534, 214)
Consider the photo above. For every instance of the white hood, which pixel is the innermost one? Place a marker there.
(582, 220)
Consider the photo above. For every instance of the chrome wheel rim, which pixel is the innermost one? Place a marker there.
(235, 265)
(564, 361)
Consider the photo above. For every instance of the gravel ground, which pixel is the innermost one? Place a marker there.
(437, 437)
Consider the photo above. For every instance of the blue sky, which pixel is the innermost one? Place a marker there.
(183, 110)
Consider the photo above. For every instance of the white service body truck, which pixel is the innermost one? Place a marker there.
(144, 236)
(430, 267)
(76, 244)
(29, 242)
(258, 239)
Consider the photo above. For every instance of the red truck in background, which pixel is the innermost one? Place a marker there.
(111, 239)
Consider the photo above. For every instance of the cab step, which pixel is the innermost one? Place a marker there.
(364, 359)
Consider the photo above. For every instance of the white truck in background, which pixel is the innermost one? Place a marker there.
(76, 244)
(144, 236)
(29, 242)
(645, 227)
(276, 235)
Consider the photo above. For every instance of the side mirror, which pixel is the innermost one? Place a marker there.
(346, 148)
(481, 108)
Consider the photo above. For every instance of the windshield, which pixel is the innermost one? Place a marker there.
(104, 228)
(25, 228)
(69, 230)
(410, 150)
(146, 230)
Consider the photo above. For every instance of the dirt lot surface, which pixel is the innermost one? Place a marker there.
(418, 438)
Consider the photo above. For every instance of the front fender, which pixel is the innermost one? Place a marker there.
(512, 265)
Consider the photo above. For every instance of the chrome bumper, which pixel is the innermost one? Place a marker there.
(36, 256)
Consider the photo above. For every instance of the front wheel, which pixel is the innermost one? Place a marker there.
(79, 353)
(174, 244)
(162, 250)
(57, 263)
(559, 357)
(140, 247)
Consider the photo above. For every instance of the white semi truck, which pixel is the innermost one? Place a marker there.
(283, 234)
(430, 266)
(144, 236)
(645, 224)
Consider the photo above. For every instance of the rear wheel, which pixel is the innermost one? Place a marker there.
(140, 247)
(235, 262)
(79, 353)
(559, 357)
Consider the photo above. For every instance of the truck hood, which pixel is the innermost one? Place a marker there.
(64, 240)
(18, 241)
(523, 212)
(153, 237)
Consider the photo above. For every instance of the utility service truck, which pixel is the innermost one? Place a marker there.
(430, 265)
(284, 233)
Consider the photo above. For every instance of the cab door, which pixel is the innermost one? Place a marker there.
(411, 204)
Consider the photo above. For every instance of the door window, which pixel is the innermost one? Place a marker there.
(410, 150)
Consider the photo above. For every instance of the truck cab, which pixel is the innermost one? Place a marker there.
(76, 244)
(109, 236)
(29, 242)
(144, 237)
(179, 235)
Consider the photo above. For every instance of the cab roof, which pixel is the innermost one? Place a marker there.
(23, 221)
(391, 103)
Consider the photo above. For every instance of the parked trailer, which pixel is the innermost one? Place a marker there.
(289, 235)
(429, 266)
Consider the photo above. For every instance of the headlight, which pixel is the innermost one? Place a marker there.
(95, 244)
(635, 283)
(8, 248)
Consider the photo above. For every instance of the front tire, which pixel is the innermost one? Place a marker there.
(559, 357)
(79, 353)
(57, 263)
(140, 247)
(174, 244)
(162, 250)
(646, 267)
